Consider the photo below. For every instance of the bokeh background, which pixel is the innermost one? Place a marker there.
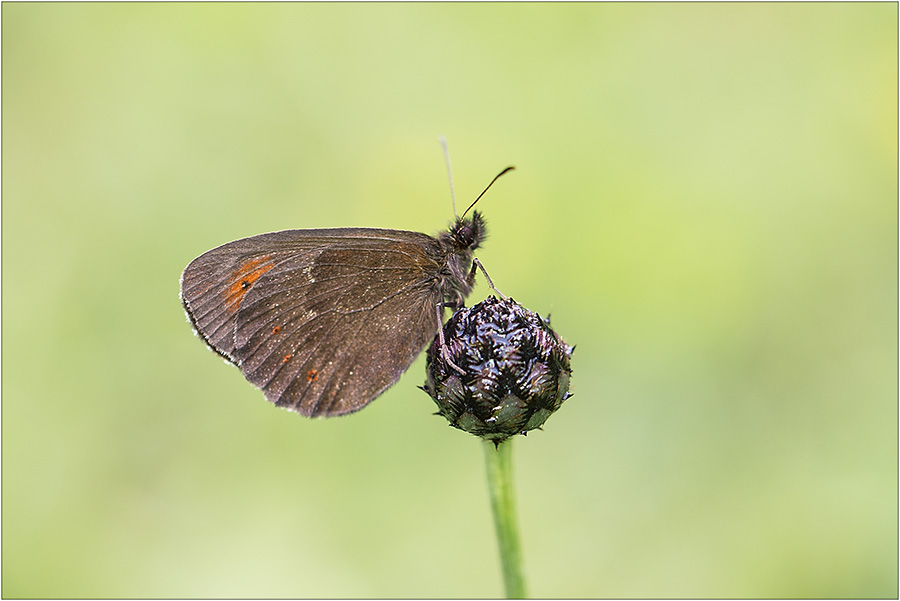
(705, 200)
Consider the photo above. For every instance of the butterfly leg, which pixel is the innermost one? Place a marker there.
(445, 352)
(477, 263)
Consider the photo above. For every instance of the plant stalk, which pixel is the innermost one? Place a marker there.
(499, 473)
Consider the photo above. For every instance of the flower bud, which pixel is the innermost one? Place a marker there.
(502, 371)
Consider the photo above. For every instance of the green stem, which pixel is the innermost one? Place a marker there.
(503, 506)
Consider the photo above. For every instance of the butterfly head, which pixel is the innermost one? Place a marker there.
(467, 233)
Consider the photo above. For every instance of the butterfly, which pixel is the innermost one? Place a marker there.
(325, 320)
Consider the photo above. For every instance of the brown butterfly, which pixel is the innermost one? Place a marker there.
(325, 320)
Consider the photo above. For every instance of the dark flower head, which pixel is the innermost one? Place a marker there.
(514, 370)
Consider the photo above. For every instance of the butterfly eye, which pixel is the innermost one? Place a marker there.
(465, 236)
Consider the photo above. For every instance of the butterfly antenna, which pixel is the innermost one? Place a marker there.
(443, 142)
(496, 177)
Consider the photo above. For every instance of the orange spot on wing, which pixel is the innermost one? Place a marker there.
(286, 358)
(312, 375)
(242, 279)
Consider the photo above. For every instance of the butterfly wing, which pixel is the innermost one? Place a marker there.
(322, 321)
(213, 284)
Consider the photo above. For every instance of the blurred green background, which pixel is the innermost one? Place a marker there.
(705, 200)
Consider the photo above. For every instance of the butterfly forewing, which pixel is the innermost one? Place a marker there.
(214, 283)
